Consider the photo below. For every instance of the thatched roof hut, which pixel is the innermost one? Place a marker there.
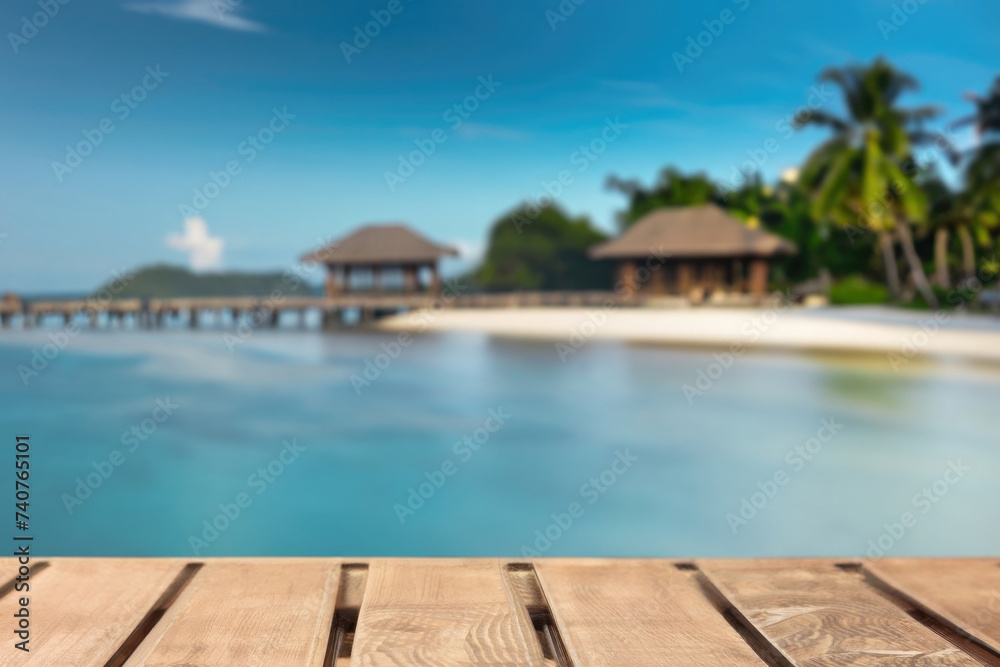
(376, 247)
(693, 247)
(695, 231)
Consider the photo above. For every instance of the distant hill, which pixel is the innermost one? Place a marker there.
(163, 281)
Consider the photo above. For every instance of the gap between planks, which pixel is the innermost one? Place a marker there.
(531, 595)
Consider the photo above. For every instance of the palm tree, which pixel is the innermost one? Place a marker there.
(980, 203)
(986, 117)
(865, 171)
(943, 221)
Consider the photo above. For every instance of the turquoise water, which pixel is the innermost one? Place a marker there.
(675, 472)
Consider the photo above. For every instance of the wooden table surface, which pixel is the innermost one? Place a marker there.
(317, 612)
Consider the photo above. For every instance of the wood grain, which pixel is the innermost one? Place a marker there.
(442, 612)
(640, 613)
(456, 612)
(252, 612)
(819, 615)
(83, 609)
(963, 592)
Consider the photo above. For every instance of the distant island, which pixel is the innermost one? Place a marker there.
(164, 281)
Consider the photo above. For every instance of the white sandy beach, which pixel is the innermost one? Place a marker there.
(876, 330)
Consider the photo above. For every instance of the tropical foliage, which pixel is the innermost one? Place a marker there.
(867, 207)
(163, 281)
(541, 249)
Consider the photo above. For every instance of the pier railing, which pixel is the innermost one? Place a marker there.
(268, 310)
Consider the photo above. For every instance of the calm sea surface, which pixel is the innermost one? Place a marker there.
(468, 445)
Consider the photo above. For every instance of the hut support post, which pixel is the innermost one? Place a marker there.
(331, 281)
(435, 287)
(626, 276)
(409, 278)
(758, 276)
(347, 278)
(685, 277)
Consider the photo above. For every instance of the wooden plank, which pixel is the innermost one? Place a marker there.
(819, 615)
(638, 613)
(442, 612)
(256, 611)
(962, 592)
(83, 609)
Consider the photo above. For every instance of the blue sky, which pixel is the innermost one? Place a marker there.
(213, 73)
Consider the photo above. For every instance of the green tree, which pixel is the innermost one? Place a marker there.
(866, 171)
(943, 221)
(672, 189)
(978, 206)
(782, 210)
(545, 251)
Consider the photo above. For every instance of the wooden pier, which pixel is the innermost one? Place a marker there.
(319, 612)
(267, 312)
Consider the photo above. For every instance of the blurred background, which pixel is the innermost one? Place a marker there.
(402, 278)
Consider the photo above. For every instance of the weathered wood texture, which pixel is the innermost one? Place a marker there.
(442, 612)
(634, 612)
(257, 612)
(818, 614)
(82, 610)
(319, 612)
(963, 592)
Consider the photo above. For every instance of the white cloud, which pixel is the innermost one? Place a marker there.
(469, 251)
(470, 256)
(204, 251)
(219, 13)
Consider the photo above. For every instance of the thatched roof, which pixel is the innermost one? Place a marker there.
(380, 244)
(695, 231)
